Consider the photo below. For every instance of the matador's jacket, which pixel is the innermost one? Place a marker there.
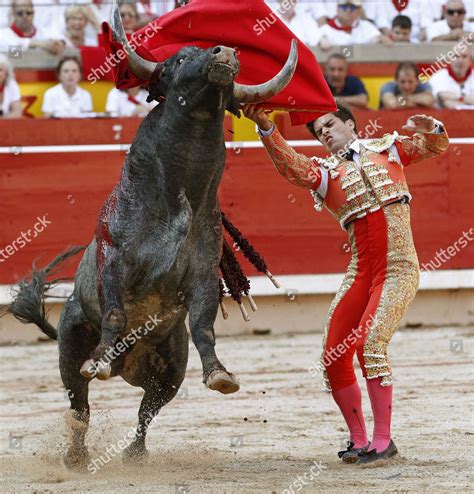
(367, 193)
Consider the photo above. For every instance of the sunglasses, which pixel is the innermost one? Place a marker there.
(455, 11)
(349, 6)
(21, 13)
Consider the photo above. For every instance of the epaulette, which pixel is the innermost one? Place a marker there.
(382, 144)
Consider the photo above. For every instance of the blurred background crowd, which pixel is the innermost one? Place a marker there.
(54, 26)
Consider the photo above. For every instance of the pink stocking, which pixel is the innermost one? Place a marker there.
(381, 401)
(349, 400)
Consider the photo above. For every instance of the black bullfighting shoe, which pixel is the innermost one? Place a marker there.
(350, 455)
(370, 456)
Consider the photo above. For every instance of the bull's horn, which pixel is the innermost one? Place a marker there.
(139, 66)
(262, 92)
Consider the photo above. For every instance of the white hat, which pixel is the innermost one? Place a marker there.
(354, 2)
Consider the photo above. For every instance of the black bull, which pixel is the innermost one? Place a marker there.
(156, 253)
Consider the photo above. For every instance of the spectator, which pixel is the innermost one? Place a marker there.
(348, 88)
(23, 34)
(348, 28)
(298, 20)
(401, 29)
(454, 86)
(129, 15)
(75, 34)
(454, 26)
(67, 99)
(382, 13)
(128, 102)
(10, 99)
(406, 91)
(321, 11)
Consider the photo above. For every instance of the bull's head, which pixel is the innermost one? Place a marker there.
(191, 67)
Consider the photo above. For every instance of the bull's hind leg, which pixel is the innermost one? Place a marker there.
(114, 319)
(203, 309)
(76, 338)
(161, 374)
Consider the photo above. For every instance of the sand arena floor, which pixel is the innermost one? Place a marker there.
(259, 440)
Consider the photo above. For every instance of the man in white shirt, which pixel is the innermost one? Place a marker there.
(454, 26)
(23, 34)
(454, 86)
(383, 13)
(347, 28)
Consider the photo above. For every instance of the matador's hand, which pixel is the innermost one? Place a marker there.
(420, 123)
(258, 115)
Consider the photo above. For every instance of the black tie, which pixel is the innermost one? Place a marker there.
(349, 155)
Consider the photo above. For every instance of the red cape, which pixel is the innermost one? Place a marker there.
(262, 40)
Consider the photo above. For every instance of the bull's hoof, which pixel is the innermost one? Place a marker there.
(95, 368)
(88, 369)
(77, 458)
(135, 454)
(103, 371)
(223, 381)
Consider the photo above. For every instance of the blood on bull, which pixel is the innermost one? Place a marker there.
(157, 247)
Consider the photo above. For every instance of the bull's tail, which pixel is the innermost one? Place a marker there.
(28, 304)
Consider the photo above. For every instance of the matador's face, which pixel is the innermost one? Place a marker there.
(333, 133)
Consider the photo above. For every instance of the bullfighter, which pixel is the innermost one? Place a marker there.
(363, 186)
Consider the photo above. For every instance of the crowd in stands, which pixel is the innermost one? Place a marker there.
(55, 25)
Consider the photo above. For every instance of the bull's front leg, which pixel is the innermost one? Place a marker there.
(203, 309)
(114, 320)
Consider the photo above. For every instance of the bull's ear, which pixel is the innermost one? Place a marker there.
(233, 107)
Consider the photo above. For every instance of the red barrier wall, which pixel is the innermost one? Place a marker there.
(278, 218)
(371, 124)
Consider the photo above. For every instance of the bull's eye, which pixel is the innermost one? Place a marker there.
(181, 60)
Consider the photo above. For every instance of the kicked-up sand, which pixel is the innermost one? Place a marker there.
(279, 434)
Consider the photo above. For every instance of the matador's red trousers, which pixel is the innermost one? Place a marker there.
(381, 281)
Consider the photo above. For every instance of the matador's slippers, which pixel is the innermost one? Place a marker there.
(365, 457)
(351, 454)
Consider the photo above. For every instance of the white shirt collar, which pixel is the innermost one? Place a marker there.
(355, 145)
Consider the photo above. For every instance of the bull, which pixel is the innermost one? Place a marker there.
(155, 255)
